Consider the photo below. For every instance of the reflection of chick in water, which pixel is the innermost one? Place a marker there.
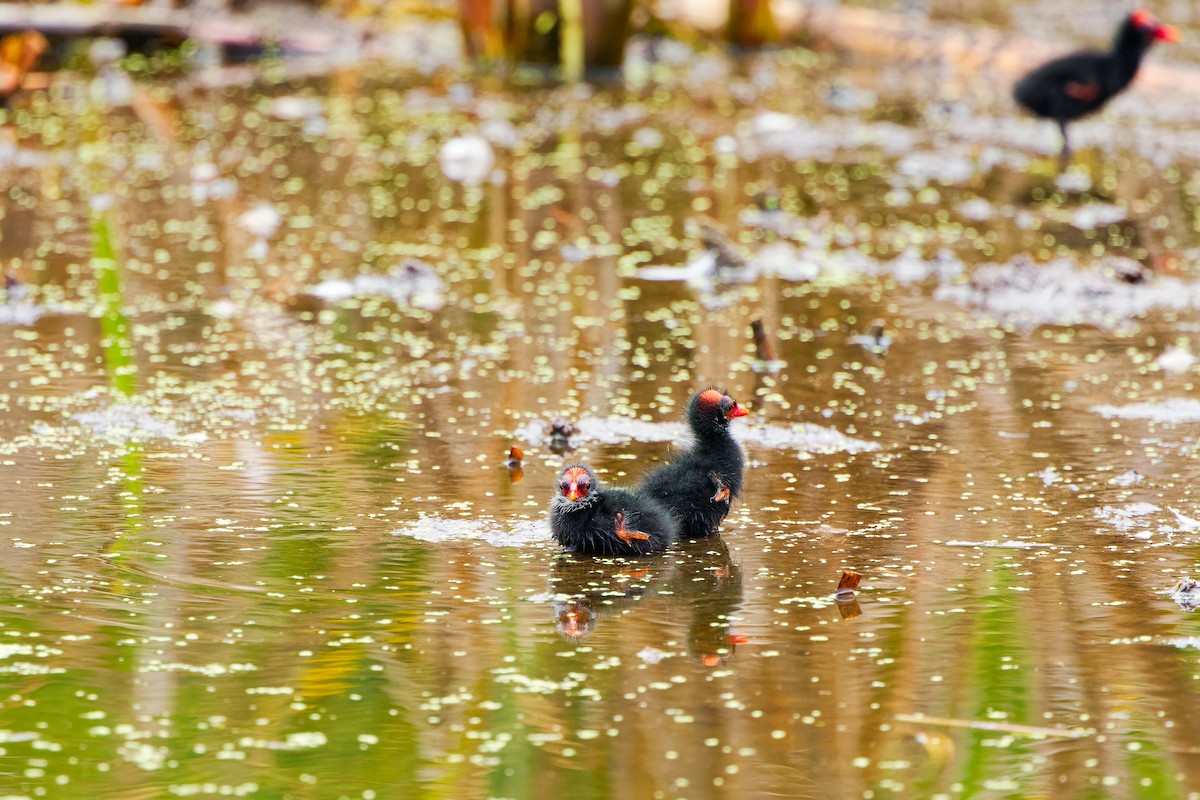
(710, 583)
(588, 588)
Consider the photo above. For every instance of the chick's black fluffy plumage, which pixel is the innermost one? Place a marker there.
(606, 521)
(700, 485)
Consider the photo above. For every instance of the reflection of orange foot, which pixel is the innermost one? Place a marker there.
(626, 535)
(732, 640)
(722, 494)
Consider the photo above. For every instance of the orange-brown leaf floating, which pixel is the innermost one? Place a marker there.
(516, 470)
(848, 583)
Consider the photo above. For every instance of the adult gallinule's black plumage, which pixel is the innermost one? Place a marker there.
(605, 521)
(1078, 84)
(701, 483)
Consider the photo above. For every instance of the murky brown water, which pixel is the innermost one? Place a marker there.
(293, 563)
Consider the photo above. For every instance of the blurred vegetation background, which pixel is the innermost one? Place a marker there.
(567, 39)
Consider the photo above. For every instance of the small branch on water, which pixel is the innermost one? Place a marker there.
(1003, 727)
(765, 359)
(764, 350)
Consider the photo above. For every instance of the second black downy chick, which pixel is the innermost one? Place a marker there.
(700, 485)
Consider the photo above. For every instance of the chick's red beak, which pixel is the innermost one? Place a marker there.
(573, 492)
(738, 411)
(1167, 33)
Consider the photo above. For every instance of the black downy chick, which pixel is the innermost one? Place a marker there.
(606, 521)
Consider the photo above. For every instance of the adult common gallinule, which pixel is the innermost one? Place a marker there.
(1078, 84)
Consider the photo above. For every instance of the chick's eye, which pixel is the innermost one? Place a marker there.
(727, 405)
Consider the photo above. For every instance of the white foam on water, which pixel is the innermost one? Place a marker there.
(498, 533)
(1008, 544)
(1060, 292)
(1183, 642)
(802, 437)
(125, 423)
(1125, 517)
(1173, 412)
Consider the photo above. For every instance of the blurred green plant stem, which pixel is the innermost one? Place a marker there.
(116, 338)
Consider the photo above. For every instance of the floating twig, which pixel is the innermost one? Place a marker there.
(763, 349)
(848, 583)
(1003, 727)
(765, 359)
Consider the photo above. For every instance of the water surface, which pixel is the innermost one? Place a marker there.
(282, 557)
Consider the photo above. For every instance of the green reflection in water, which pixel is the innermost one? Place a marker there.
(1000, 663)
(1150, 773)
(114, 327)
(119, 362)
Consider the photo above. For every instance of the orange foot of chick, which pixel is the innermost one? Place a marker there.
(627, 536)
(722, 494)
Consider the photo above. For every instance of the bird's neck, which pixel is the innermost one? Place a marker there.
(712, 435)
(1126, 56)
